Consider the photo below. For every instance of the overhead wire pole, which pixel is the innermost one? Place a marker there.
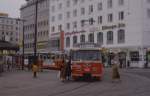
(23, 46)
(23, 29)
(35, 34)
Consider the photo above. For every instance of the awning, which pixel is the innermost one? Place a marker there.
(5, 45)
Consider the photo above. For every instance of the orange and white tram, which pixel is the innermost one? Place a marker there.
(86, 62)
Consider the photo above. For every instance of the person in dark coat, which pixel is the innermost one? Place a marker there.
(68, 69)
(63, 71)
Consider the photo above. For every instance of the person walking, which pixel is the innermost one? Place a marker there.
(63, 70)
(115, 69)
(8, 65)
(35, 70)
(68, 69)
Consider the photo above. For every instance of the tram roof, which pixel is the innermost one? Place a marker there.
(87, 46)
(86, 49)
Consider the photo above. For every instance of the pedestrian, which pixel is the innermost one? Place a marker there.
(115, 69)
(63, 71)
(35, 70)
(8, 64)
(68, 69)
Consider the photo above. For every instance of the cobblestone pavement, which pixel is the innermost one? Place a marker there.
(135, 82)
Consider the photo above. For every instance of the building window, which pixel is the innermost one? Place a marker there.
(134, 56)
(60, 17)
(91, 21)
(53, 29)
(68, 42)
(110, 17)
(82, 38)
(75, 40)
(82, 11)
(53, 8)
(60, 27)
(68, 14)
(100, 19)
(55, 44)
(68, 26)
(16, 22)
(121, 2)
(68, 3)
(60, 6)
(121, 36)
(109, 3)
(75, 24)
(91, 37)
(100, 38)
(91, 9)
(75, 2)
(75, 13)
(110, 37)
(53, 18)
(148, 13)
(99, 7)
(121, 15)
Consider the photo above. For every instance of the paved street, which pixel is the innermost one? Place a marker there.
(135, 82)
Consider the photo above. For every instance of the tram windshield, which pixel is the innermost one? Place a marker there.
(89, 55)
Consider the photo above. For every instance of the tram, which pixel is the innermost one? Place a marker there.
(56, 61)
(86, 62)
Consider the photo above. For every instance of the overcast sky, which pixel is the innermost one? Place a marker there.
(11, 7)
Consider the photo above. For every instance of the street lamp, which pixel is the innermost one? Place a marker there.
(23, 29)
(35, 35)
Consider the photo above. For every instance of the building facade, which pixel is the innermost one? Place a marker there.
(120, 26)
(9, 28)
(28, 14)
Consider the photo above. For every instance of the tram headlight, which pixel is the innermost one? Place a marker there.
(87, 64)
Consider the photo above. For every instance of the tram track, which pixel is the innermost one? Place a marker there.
(71, 90)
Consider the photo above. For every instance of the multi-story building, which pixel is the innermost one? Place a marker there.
(28, 15)
(9, 28)
(120, 26)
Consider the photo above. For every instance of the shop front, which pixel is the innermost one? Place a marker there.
(129, 57)
(7, 55)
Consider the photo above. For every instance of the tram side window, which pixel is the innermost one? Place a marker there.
(134, 55)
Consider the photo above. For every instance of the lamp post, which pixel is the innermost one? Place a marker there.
(23, 29)
(23, 47)
(35, 34)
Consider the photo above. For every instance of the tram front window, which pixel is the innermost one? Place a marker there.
(88, 55)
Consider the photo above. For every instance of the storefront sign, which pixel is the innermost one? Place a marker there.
(120, 25)
(74, 32)
(42, 44)
(3, 14)
(107, 27)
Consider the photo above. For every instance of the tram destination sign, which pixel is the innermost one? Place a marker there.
(87, 45)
